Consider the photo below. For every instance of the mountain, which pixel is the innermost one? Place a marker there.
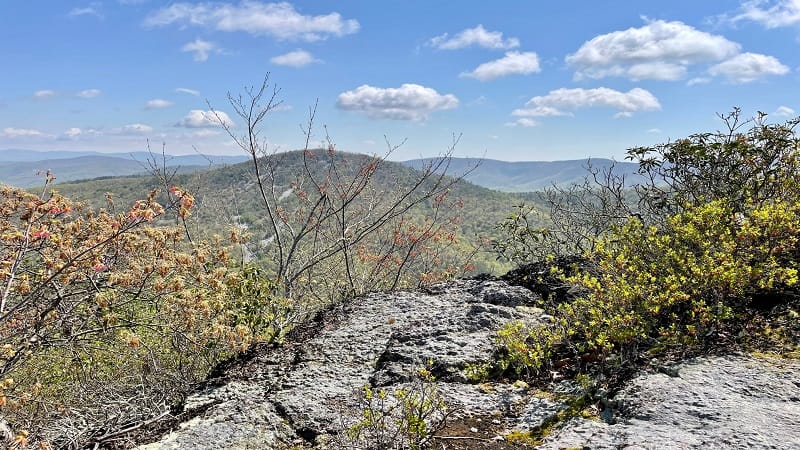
(227, 195)
(526, 176)
(23, 167)
(19, 168)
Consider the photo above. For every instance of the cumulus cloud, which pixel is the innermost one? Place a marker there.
(748, 67)
(74, 133)
(408, 102)
(784, 111)
(200, 48)
(89, 93)
(561, 102)
(513, 63)
(158, 103)
(658, 50)
(44, 94)
(297, 58)
(187, 91)
(136, 128)
(279, 20)
(477, 37)
(769, 13)
(198, 118)
(20, 132)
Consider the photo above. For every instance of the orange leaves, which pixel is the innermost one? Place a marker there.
(185, 201)
(144, 211)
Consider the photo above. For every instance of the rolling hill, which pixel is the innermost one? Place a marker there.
(526, 176)
(227, 195)
(19, 168)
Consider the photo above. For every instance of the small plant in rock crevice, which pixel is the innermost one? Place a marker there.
(404, 420)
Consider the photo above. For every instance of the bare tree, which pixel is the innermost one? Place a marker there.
(321, 218)
(576, 216)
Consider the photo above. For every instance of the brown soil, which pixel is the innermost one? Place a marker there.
(474, 434)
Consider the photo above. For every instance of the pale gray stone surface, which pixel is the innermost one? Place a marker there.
(722, 402)
(306, 390)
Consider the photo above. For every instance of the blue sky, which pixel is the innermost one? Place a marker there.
(517, 80)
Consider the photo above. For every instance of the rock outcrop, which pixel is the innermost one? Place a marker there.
(303, 393)
(731, 402)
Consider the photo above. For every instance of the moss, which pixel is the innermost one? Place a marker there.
(576, 407)
(519, 437)
(794, 354)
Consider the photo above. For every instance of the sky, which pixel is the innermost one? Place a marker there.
(509, 80)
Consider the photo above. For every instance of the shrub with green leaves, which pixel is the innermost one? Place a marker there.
(719, 232)
(406, 420)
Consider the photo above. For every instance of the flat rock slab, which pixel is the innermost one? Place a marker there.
(300, 394)
(304, 391)
(726, 402)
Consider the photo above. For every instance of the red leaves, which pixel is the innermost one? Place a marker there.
(41, 234)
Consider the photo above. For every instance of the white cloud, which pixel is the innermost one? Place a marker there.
(187, 91)
(513, 63)
(654, 130)
(44, 94)
(297, 58)
(523, 122)
(136, 128)
(770, 13)
(200, 48)
(408, 102)
(74, 133)
(88, 11)
(89, 93)
(477, 36)
(698, 80)
(561, 102)
(158, 103)
(204, 119)
(657, 70)
(784, 111)
(748, 67)
(658, 50)
(20, 132)
(279, 20)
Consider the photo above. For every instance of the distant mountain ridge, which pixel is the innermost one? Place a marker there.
(20, 168)
(527, 176)
(23, 167)
(20, 155)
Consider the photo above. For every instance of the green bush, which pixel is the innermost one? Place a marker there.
(717, 233)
